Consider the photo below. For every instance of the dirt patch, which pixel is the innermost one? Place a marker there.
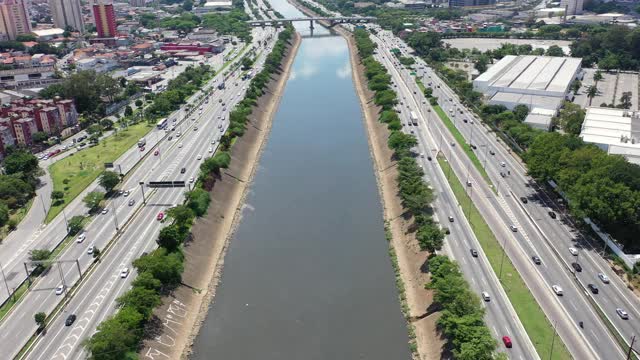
(178, 320)
(411, 260)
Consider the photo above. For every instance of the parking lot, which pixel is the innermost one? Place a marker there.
(610, 89)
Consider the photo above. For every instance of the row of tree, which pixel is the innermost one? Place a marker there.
(462, 314)
(159, 272)
(179, 89)
(18, 183)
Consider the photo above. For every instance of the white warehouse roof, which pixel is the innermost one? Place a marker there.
(615, 130)
(528, 74)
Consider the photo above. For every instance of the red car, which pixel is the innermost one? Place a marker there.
(156, 152)
(507, 341)
(142, 148)
(160, 216)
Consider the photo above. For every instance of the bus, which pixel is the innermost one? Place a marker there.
(414, 118)
(162, 123)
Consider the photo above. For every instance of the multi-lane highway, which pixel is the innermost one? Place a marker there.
(594, 341)
(137, 225)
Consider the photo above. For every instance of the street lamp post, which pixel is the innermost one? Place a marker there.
(5, 281)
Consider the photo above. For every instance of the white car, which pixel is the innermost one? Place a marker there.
(557, 289)
(126, 193)
(219, 126)
(81, 238)
(573, 251)
(124, 273)
(623, 314)
(485, 296)
(191, 180)
(91, 249)
(210, 149)
(604, 278)
(513, 228)
(60, 290)
(104, 211)
(503, 164)
(180, 146)
(199, 157)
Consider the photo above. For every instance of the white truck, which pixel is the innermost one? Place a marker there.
(414, 118)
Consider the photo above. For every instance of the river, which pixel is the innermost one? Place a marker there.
(307, 274)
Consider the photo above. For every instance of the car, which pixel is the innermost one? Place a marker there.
(170, 138)
(198, 157)
(536, 259)
(552, 214)
(485, 296)
(183, 170)
(557, 289)
(180, 146)
(573, 251)
(502, 174)
(577, 267)
(593, 288)
(221, 130)
(142, 148)
(524, 199)
(463, 120)
(513, 228)
(70, 320)
(124, 273)
(450, 218)
(505, 339)
(474, 252)
(471, 121)
(429, 158)
(468, 182)
(126, 193)
(178, 134)
(81, 238)
(191, 180)
(132, 202)
(210, 149)
(453, 144)
(155, 153)
(492, 152)
(623, 314)
(91, 249)
(60, 290)
(422, 155)
(503, 164)
(104, 211)
(160, 216)
(473, 146)
(604, 278)
(195, 128)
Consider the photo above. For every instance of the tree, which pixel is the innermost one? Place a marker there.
(25, 37)
(401, 143)
(39, 137)
(481, 63)
(554, 50)
(57, 196)
(21, 161)
(147, 281)
(138, 103)
(164, 266)
(128, 111)
(40, 319)
(575, 86)
(76, 224)
(220, 160)
(116, 336)
(625, 100)
(170, 237)
(520, 112)
(597, 76)
(592, 91)
(182, 215)
(96, 253)
(39, 254)
(93, 199)
(198, 200)
(4, 213)
(108, 180)
(141, 299)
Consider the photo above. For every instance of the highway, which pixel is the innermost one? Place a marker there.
(33, 234)
(501, 318)
(136, 234)
(592, 342)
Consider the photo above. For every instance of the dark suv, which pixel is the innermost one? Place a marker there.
(474, 252)
(70, 319)
(593, 288)
(183, 170)
(576, 266)
(536, 259)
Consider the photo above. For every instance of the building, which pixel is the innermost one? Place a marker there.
(48, 34)
(25, 70)
(616, 131)
(536, 81)
(24, 128)
(574, 7)
(14, 19)
(414, 4)
(67, 13)
(105, 19)
(213, 6)
(189, 47)
(471, 3)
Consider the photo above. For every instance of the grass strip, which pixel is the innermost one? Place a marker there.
(533, 319)
(83, 167)
(16, 216)
(462, 142)
(17, 297)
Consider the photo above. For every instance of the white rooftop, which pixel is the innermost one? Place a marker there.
(217, 3)
(616, 130)
(48, 32)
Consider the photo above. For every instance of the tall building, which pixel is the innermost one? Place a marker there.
(14, 19)
(67, 13)
(105, 19)
(574, 7)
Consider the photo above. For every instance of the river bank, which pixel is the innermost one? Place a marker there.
(411, 261)
(182, 312)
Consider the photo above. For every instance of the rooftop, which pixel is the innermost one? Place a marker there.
(618, 129)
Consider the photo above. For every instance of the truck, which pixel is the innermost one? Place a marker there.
(414, 118)
(142, 142)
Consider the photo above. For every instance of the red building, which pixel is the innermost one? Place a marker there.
(48, 120)
(24, 128)
(105, 19)
(190, 47)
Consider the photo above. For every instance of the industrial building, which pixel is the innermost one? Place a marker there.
(539, 82)
(616, 131)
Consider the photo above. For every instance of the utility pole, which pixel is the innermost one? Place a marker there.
(633, 340)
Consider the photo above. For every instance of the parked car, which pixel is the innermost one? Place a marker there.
(70, 320)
